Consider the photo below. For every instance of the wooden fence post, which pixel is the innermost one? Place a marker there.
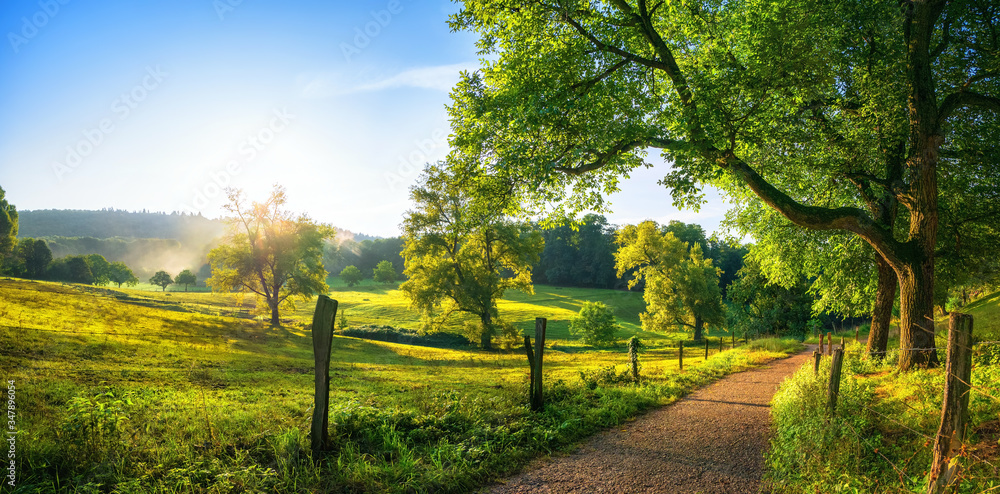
(816, 356)
(633, 356)
(829, 343)
(537, 402)
(680, 355)
(721, 343)
(955, 408)
(833, 390)
(706, 348)
(857, 334)
(531, 367)
(820, 342)
(322, 333)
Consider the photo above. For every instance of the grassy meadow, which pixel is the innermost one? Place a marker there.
(137, 391)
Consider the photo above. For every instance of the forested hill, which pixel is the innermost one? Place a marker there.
(108, 223)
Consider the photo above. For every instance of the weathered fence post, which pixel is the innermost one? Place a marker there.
(322, 333)
(834, 388)
(816, 356)
(954, 410)
(821, 343)
(857, 334)
(536, 400)
(531, 367)
(842, 344)
(829, 343)
(633, 356)
(721, 343)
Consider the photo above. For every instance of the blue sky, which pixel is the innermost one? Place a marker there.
(158, 104)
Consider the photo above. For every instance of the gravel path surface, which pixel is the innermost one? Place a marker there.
(711, 441)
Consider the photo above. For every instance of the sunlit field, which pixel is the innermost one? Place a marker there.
(137, 391)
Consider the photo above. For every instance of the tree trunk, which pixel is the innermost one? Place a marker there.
(273, 304)
(699, 324)
(486, 337)
(885, 295)
(916, 314)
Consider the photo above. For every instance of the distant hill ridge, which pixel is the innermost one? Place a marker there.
(116, 223)
(110, 223)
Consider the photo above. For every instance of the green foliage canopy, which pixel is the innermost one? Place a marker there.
(119, 273)
(351, 275)
(818, 109)
(162, 279)
(384, 273)
(269, 253)
(681, 286)
(8, 225)
(596, 324)
(462, 252)
(186, 277)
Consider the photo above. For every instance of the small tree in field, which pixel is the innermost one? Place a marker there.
(384, 272)
(351, 275)
(119, 273)
(186, 278)
(162, 279)
(596, 323)
(462, 252)
(681, 286)
(269, 253)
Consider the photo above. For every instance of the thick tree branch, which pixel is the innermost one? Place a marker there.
(588, 84)
(602, 159)
(962, 99)
(632, 57)
(813, 217)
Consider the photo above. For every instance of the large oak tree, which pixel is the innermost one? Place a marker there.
(828, 112)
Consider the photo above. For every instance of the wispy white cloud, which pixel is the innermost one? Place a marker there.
(438, 78)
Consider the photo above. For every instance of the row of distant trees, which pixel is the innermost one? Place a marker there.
(31, 258)
(384, 272)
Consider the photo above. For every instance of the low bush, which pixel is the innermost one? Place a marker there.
(405, 336)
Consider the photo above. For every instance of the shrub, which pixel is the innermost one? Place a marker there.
(342, 320)
(384, 272)
(986, 354)
(351, 275)
(605, 376)
(405, 336)
(596, 323)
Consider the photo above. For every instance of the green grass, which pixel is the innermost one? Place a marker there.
(879, 439)
(985, 313)
(380, 304)
(134, 391)
(148, 287)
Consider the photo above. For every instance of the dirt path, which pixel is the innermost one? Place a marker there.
(711, 441)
